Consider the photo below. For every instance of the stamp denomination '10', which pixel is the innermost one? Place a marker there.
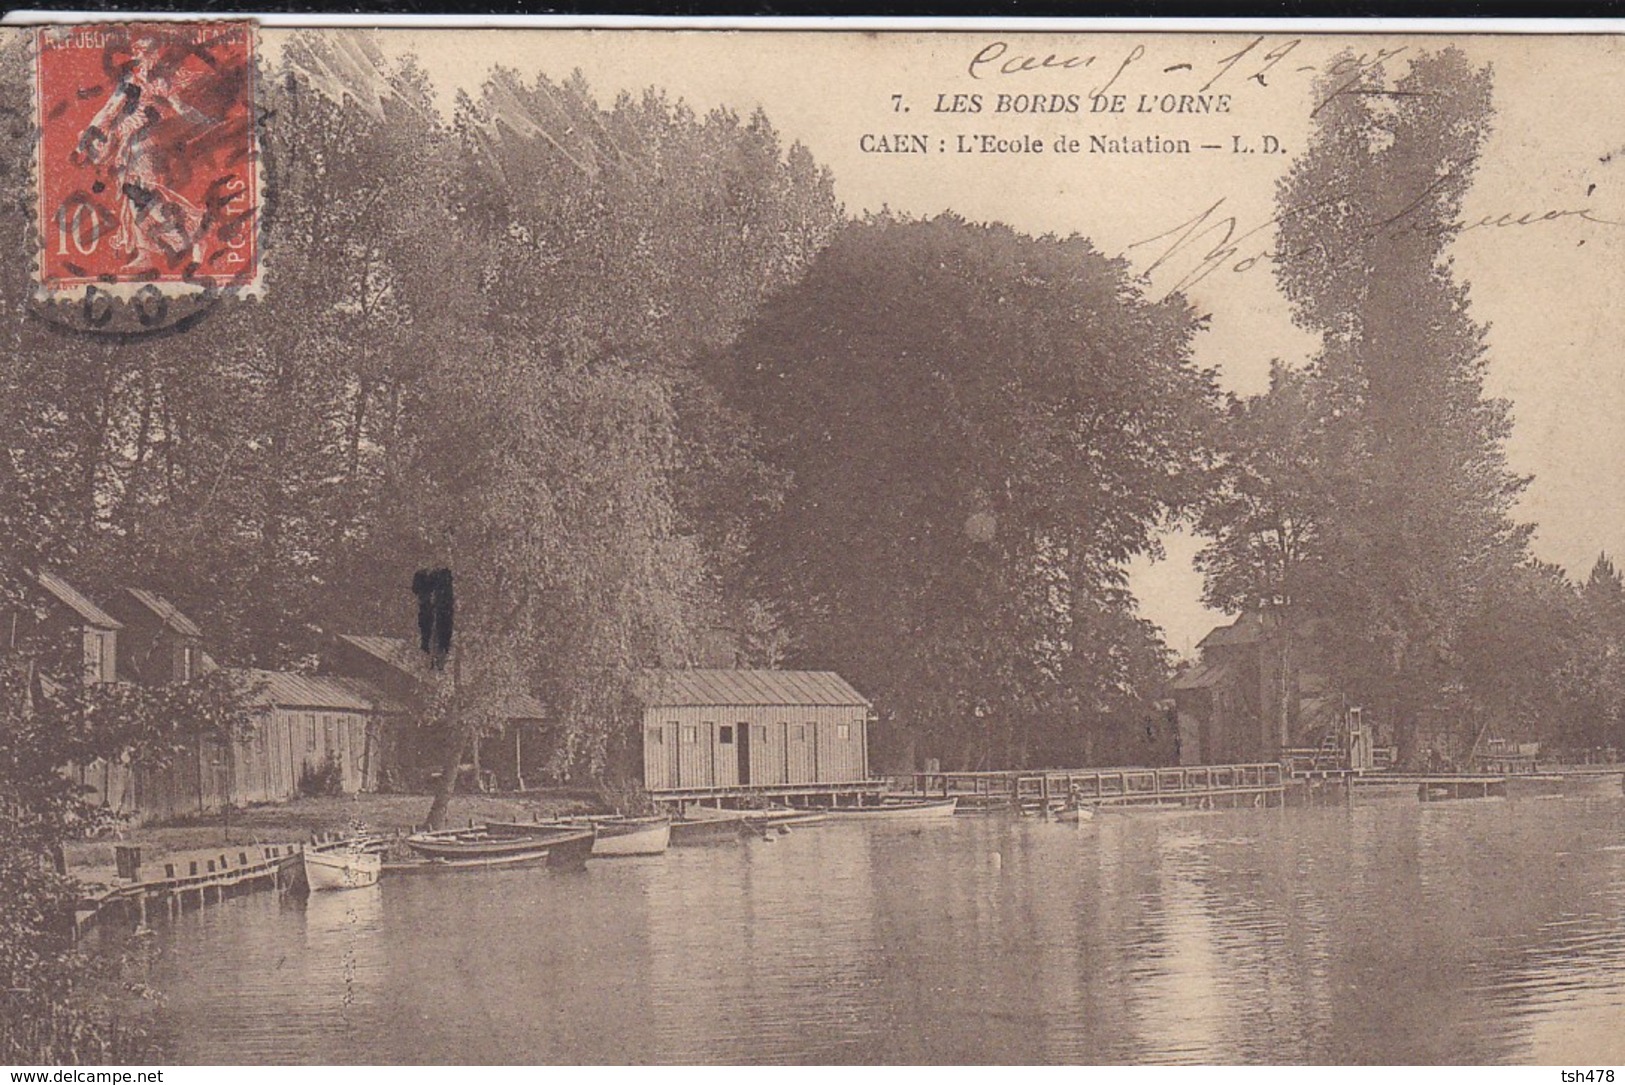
(146, 161)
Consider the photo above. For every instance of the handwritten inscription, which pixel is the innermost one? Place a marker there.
(1214, 241)
(1256, 62)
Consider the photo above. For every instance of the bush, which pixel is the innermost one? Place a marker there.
(324, 779)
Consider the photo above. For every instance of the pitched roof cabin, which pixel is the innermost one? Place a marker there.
(160, 644)
(400, 668)
(138, 636)
(77, 624)
(304, 724)
(724, 729)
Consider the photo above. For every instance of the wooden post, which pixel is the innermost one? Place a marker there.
(518, 756)
(199, 745)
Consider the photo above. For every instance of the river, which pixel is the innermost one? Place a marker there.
(1385, 932)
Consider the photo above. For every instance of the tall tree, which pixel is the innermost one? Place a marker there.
(1411, 539)
(1594, 713)
(237, 462)
(980, 428)
(570, 466)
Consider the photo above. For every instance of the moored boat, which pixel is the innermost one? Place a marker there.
(784, 819)
(346, 865)
(631, 836)
(494, 845)
(617, 835)
(1075, 813)
(686, 831)
(781, 818)
(904, 808)
(698, 824)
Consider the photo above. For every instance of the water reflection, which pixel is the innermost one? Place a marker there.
(1389, 932)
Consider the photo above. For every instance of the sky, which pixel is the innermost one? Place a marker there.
(1549, 289)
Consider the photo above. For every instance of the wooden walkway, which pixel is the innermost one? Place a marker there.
(1259, 784)
(215, 873)
(842, 793)
(1432, 787)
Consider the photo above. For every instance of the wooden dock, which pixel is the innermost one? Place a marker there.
(1205, 786)
(200, 875)
(1478, 786)
(846, 793)
(1435, 787)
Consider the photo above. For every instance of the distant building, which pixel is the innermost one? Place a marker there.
(758, 729)
(1249, 697)
(73, 630)
(160, 644)
(305, 723)
(397, 666)
(137, 636)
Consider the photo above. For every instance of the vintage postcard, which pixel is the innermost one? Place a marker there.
(981, 545)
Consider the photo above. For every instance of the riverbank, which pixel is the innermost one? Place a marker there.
(298, 819)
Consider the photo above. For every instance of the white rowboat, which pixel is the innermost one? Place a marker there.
(341, 868)
(631, 836)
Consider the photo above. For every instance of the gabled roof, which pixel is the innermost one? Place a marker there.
(1204, 676)
(167, 612)
(1247, 629)
(287, 689)
(673, 688)
(408, 658)
(70, 597)
(398, 652)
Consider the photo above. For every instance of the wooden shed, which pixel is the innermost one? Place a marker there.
(400, 669)
(303, 721)
(711, 729)
(160, 643)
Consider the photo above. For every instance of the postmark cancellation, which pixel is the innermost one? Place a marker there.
(147, 175)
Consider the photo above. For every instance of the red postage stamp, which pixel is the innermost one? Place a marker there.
(146, 168)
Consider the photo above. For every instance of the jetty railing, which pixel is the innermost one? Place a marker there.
(1257, 783)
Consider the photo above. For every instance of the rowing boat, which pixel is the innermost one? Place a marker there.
(903, 808)
(623, 836)
(617, 835)
(345, 865)
(686, 831)
(506, 845)
(707, 825)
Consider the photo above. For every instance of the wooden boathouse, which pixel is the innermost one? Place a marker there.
(725, 733)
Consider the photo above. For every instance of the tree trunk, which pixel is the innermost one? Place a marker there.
(456, 741)
(452, 763)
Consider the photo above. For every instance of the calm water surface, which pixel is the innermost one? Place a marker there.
(1387, 932)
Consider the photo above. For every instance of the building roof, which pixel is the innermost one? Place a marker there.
(167, 612)
(286, 689)
(1247, 629)
(1204, 676)
(673, 688)
(408, 658)
(70, 597)
(398, 652)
